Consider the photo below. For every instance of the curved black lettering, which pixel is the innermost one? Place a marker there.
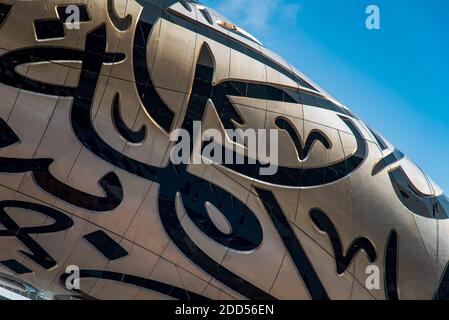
(302, 149)
(240, 217)
(40, 168)
(4, 12)
(122, 128)
(110, 184)
(82, 104)
(7, 136)
(151, 100)
(122, 24)
(183, 242)
(391, 267)
(392, 158)
(308, 177)
(148, 284)
(343, 261)
(246, 232)
(294, 248)
(433, 207)
(38, 254)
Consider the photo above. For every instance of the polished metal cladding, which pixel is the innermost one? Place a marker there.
(86, 179)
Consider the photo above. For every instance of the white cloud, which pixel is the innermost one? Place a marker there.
(290, 12)
(257, 15)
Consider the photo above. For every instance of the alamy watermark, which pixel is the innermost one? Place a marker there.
(372, 282)
(73, 17)
(73, 279)
(237, 146)
(372, 22)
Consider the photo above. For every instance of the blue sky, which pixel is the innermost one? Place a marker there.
(395, 78)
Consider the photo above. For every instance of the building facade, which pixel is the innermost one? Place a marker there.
(92, 204)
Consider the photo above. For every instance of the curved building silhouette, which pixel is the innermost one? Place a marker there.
(93, 204)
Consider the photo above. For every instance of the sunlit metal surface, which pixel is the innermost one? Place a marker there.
(87, 187)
